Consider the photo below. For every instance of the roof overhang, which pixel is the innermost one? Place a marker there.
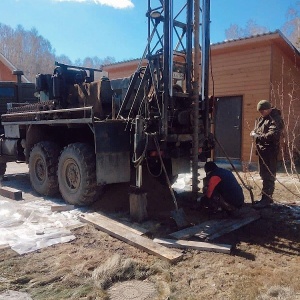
(276, 38)
(11, 67)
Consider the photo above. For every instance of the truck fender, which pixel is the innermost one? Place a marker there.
(34, 134)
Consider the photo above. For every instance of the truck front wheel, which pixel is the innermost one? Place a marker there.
(77, 174)
(43, 162)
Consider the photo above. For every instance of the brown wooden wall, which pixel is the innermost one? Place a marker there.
(243, 72)
(6, 73)
(285, 94)
(121, 70)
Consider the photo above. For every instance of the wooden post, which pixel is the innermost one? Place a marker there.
(138, 206)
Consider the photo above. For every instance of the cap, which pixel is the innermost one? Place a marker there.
(263, 105)
(210, 166)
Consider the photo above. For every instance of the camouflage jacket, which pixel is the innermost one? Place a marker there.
(269, 131)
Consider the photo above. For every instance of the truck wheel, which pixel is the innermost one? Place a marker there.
(43, 162)
(77, 174)
(2, 170)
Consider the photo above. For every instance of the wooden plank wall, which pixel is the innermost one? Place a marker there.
(6, 73)
(243, 72)
(285, 94)
(121, 70)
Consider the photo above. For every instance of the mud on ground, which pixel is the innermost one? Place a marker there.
(264, 264)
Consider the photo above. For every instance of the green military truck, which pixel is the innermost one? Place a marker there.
(80, 136)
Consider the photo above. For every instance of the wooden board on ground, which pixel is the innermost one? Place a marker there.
(123, 234)
(212, 229)
(11, 193)
(202, 246)
(4, 246)
(76, 226)
(62, 207)
(128, 226)
(231, 226)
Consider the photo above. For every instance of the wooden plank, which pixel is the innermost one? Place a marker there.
(126, 225)
(11, 193)
(190, 231)
(4, 246)
(143, 243)
(232, 227)
(214, 228)
(202, 246)
(138, 206)
(76, 226)
(62, 207)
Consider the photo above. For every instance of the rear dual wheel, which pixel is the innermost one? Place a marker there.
(43, 162)
(77, 174)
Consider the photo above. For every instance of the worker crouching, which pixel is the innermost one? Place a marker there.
(221, 190)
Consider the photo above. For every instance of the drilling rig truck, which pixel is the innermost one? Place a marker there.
(79, 137)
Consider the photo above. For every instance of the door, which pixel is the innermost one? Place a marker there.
(228, 127)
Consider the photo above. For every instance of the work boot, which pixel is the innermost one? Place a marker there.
(265, 201)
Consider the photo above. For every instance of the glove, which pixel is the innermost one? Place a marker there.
(254, 134)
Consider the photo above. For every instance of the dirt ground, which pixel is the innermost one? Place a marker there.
(264, 263)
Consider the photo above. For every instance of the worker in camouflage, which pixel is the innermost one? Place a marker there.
(267, 135)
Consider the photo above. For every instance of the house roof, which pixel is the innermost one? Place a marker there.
(10, 66)
(276, 36)
(258, 38)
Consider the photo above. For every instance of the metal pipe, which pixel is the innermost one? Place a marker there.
(138, 136)
(205, 61)
(166, 69)
(189, 46)
(149, 30)
(196, 88)
(171, 24)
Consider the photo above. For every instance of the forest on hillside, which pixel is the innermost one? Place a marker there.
(33, 54)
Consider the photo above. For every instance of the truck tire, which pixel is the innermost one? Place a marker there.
(77, 174)
(43, 161)
(2, 170)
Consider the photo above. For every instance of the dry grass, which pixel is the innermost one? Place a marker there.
(116, 270)
(279, 293)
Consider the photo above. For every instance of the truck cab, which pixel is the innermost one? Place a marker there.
(15, 92)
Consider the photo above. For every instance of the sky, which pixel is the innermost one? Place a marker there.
(118, 28)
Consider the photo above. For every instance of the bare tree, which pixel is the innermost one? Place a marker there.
(33, 54)
(233, 32)
(291, 27)
(27, 50)
(63, 59)
(108, 60)
(97, 63)
(251, 28)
